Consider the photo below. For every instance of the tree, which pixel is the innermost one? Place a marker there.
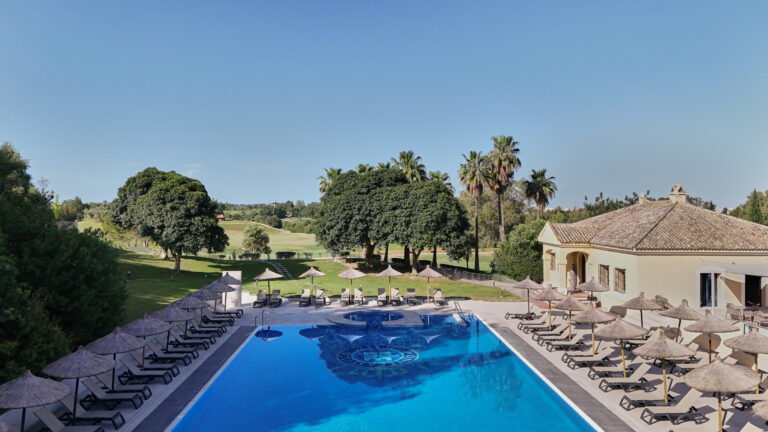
(540, 188)
(173, 210)
(72, 210)
(520, 255)
(503, 161)
(441, 177)
(753, 211)
(326, 181)
(411, 166)
(474, 174)
(256, 240)
(364, 168)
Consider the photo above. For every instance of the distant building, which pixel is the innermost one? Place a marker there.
(221, 217)
(668, 248)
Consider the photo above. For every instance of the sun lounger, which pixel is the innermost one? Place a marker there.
(524, 324)
(381, 299)
(306, 297)
(359, 298)
(345, 297)
(158, 355)
(596, 372)
(556, 331)
(320, 298)
(106, 382)
(55, 425)
(438, 298)
(683, 368)
(644, 399)
(412, 300)
(746, 399)
(576, 342)
(90, 416)
(261, 299)
(635, 381)
(110, 400)
(396, 298)
(134, 374)
(209, 317)
(148, 364)
(234, 313)
(600, 358)
(179, 340)
(681, 411)
(275, 300)
(171, 349)
(206, 330)
(750, 427)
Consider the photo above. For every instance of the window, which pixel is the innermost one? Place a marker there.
(604, 275)
(619, 277)
(552, 262)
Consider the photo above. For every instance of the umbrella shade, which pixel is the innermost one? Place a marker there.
(708, 325)
(389, 272)
(760, 409)
(81, 363)
(29, 391)
(268, 275)
(190, 302)
(661, 347)
(682, 312)
(429, 272)
(146, 326)
(312, 272)
(570, 304)
(621, 330)
(641, 303)
(592, 286)
(218, 287)
(173, 313)
(204, 294)
(115, 343)
(230, 280)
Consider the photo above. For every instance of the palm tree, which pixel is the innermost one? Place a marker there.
(540, 188)
(411, 166)
(364, 168)
(384, 165)
(327, 180)
(503, 161)
(443, 178)
(474, 174)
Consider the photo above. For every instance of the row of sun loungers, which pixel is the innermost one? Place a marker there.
(320, 299)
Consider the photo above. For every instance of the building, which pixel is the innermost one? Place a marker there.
(667, 247)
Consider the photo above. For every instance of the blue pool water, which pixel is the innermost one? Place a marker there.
(442, 377)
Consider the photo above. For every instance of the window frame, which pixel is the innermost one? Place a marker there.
(623, 272)
(607, 269)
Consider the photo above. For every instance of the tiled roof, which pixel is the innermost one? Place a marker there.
(666, 225)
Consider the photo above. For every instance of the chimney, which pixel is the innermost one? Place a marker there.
(643, 198)
(678, 194)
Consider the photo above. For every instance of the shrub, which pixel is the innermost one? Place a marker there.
(520, 255)
(285, 255)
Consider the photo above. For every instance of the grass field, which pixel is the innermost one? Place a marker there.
(151, 288)
(279, 240)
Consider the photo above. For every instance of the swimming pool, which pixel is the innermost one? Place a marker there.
(440, 377)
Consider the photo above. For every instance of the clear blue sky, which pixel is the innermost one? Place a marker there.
(255, 98)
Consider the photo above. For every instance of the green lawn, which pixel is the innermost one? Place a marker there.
(150, 287)
(279, 240)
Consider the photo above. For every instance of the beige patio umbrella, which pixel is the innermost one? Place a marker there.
(753, 343)
(218, 287)
(527, 284)
(268, 275)
(205, 295)
(621, 330)
(230, 280)
(428, 273)
(592, 316)
(171, 314)
(592, 286)
(190, 302)
(662, 347)
(760, 409)
(351, 274)
(80, 364)
(311, 274)
(718, 377)
(708, 325)
(682, 312)
(115, 343)
(570, 304)
(549, 295)
(388, 273)
(29, 391)
(641, 303)
(146, 326)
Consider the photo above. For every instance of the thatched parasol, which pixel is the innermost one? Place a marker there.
(80, 364)
(147, 326)
(230, 280)
(719, 377)
(29, 391)
(351, 274)
(170, 314)
(388, 273)
(682, 312)
(641, 303)
(621, 330)
(190, 302)
(428, 273)
(760, 409)
(268, 275)
(205, 295)
(661, 347)
(710, 324)
(753, 343)
(527, 284)
(311, 274)
(220, 287)
(570, 304)
(115, 343)
(592, 286)
(593, 316)
(549, 295)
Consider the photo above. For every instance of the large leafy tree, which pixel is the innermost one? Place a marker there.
(539, 188)
(173, 210)
(520, 255)
(753, 210)
(256, 240)
(503, 161)
(474, 174)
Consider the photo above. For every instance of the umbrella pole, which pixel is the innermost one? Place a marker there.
(389, 285)
(186, 326)
(142, 353)
(569, 325)
(641, 318)
(429, 290)
(529, 304)
(664, 374)
(23, 418)
(679, 322)
(74, 404)
(593, 339)
(709, 346)
(623, 362)
(114, 359)
(757, 388)
(225, 301)
(167, 339)
(550, 314)
(719, 413)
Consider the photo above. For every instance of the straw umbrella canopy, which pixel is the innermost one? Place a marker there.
(641, 303)
(146, 326)
(219, 286)
(115, 343)
(592, 316)
(753, 343)
(388, 273)
(205, 295)
(428, 273)
(311, 274)
(191, 302)
(662, 347)
(351, 274)
(760, 409)
(570, 304)
(592, 286)
(29, 391)
(719, 377)
(708, 325)
(549, 295)
(268, 275)
(173, 313)
(680, 313)
(527, 284)
(230, 280)
(621, 330)
(80, 364)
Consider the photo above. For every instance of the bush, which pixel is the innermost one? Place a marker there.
(285, 255)
(272, 221)
(520, 255)
(305, 226)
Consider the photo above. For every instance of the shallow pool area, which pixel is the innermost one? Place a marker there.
(436, 377)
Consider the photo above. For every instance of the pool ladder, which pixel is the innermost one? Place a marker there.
(466, 317)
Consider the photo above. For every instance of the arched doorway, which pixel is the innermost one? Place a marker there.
(576, 263)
